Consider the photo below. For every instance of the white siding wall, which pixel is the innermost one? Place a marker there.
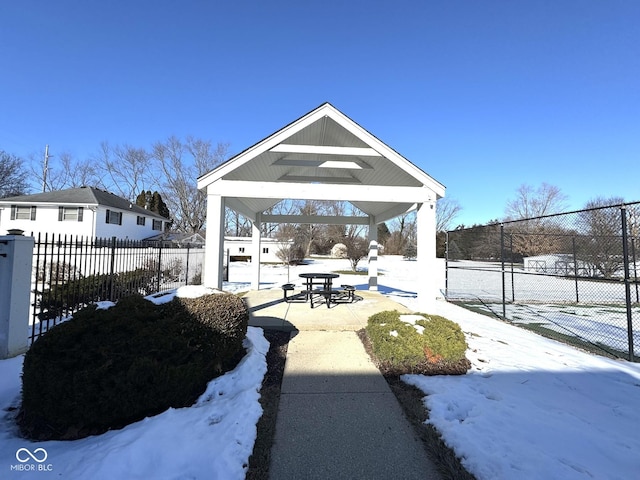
(128, 230)
(93, 223)
(46, 221)
(269, 248)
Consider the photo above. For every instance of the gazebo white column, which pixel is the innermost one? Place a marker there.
(256, 251)
(426, 283)
(213, 260)
(373, 254)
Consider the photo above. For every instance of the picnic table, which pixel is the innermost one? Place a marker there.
(319, 285)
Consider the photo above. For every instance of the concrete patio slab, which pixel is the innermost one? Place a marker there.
(268, 309)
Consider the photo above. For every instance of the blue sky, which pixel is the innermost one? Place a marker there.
(482, 95)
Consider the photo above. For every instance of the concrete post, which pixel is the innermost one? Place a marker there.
(16, 258)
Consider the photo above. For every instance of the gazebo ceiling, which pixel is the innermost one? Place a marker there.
(324, 156)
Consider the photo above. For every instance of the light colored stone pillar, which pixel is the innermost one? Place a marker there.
(16, 258)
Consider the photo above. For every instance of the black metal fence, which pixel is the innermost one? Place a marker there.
(71, 272)
(571, 276)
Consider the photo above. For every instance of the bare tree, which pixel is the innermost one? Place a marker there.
(13, 175)
(125, 170)
(310, 232)
(65, 171)
(600, 245)
(289, 251)
(236, 224)
(403, 231)
(529, 202)
(182, 163)
(447, 209)
(537, 235)
(357, 249)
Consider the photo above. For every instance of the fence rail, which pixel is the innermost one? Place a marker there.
(570, 276)
(71, 272)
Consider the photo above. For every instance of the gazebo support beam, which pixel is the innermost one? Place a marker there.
(213, 263)
(316, 219)
(319, 191)
(256, 252)
(373, 254)
(426, 286)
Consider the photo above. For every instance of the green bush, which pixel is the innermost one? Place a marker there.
(398, 347)
(104, 369)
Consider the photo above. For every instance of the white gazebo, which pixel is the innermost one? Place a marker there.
(323, 155)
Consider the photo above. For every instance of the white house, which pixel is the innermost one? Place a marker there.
(240, 249)
(84, 211)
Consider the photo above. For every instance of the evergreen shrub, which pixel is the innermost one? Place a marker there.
(436, 346)
(105, 369)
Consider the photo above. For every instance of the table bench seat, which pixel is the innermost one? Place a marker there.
(327, 295)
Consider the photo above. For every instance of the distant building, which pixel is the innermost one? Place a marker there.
(239, 249)
(553, 264)
(179, 239)
(84, 211)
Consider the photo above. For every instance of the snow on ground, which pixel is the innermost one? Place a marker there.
(529, 407)
(603, 324)
(212, 439)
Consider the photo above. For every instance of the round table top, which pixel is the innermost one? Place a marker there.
(319, 275)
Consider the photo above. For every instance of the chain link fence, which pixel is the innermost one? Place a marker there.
(572, 276)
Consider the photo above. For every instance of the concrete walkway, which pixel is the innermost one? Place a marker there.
(338, 418)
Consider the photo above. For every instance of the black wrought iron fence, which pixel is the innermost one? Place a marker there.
(70, 272)
(571, 276)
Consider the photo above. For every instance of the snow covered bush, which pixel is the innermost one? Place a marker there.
(426, 344)
(339, 250)
(106, 368)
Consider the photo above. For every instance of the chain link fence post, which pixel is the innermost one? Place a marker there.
(504, 294)
(446, 264)
(627, 280)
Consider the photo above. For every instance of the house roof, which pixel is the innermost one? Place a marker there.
(82, 196)
(322, 155)
(178, 237)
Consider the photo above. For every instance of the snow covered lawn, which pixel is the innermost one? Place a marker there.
(532, 408)
(212, 439)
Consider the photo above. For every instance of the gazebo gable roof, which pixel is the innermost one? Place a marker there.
(322, 147)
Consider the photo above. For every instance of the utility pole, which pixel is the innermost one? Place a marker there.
(45, 169)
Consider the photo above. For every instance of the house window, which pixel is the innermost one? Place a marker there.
(141, 220)
(23, 213)
(114, 217)
(70, 214)
(265, 250)
(157, 224)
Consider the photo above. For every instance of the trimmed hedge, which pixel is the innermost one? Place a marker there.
(399, 347)
(105, 369)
